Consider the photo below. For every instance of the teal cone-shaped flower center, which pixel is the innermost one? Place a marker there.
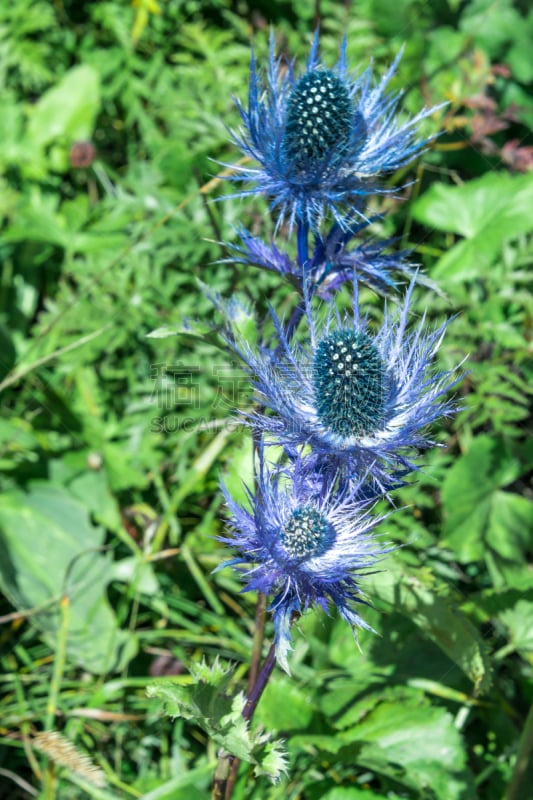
(307, 533)
(319, 118)
(348, 380)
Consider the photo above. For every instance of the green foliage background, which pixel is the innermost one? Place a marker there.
(112, 442)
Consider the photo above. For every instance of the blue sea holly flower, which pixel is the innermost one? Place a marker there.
(360, 399)
(303, 548)
(321, 139)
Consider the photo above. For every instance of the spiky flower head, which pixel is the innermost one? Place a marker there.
(322, 139)
(360, 399)
(303, 544)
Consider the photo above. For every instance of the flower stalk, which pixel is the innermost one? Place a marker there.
(347, 403)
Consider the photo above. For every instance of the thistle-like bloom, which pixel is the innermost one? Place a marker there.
(361, 400)
(321, 139)
(303, 545)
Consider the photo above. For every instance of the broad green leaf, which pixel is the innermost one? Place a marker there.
(494, 602)
(49, 548)
(419, 597)
(351, 793)
(398, 734)
(475, 510)
(415, 744)
(492, 23)
(138, 574)
(488, 212)
(284, 706)
(510, 526)
(91, 488)
(66, 112)
(346, 703)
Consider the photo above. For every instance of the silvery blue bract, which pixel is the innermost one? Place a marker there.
(332, 262)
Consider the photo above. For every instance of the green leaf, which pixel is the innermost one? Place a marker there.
(416, 745)
(183, 786)
(396, 733)
(284, 706)
(519, 621)
(92, 489)
(233, 735)
(419, 597)
(9, 354)
(351, 793)
(49, 548)
(273, 761)
(66, 112)
(487, 212)
(138, 574)
(492, 24)
(206, 704)
(510, 526)
(38, 220)
(205, 701)
(190, 329)
(18, 442)
(475, 509)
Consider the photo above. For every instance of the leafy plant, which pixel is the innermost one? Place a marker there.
(112, 442)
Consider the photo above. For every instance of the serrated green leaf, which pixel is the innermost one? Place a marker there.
(176, 698)
(273, 761)
(217, 674)
(204, 701)
(234, 735)
(220, 716)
